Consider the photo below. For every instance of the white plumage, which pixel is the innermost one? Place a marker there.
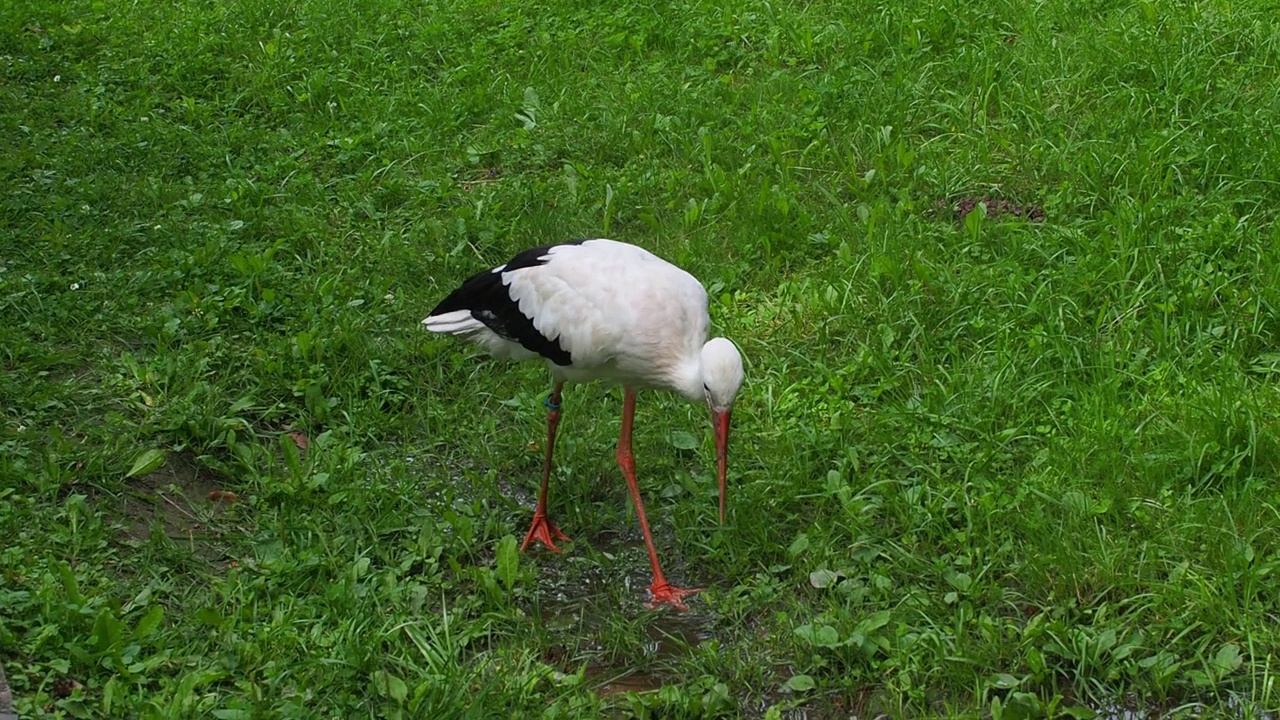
(622, 313)
(601, 310)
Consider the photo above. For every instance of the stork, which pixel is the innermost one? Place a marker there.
(602, 310)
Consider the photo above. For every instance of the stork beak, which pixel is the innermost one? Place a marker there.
(721, 421)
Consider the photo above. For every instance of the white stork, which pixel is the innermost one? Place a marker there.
(602, 310)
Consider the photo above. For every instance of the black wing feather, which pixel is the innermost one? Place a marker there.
(488, 300)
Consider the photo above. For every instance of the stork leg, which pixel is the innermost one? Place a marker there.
(542, 530)
(662, 591)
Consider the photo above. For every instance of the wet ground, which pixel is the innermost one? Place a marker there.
(590, 602)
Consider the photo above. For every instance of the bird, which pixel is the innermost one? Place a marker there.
(600, 310)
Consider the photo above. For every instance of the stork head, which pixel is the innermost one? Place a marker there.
(721, 368)
(721, 373)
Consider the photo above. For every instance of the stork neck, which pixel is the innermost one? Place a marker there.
(687, 379)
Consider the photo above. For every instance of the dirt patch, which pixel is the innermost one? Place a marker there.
(188, 503)
(996, 208)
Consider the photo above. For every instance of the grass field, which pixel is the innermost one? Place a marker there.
(1019, 462)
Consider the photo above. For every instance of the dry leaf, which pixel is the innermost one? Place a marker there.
(223, 496)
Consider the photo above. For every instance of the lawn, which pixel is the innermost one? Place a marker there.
(1005, 275)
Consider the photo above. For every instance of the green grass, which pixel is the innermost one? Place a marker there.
(986, 467)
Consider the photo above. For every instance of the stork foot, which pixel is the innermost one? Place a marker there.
(665, 593)
(543, 531)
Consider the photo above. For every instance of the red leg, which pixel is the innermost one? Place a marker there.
(542, 530)
(662, 591)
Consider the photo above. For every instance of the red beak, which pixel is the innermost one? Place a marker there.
(721, 421)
